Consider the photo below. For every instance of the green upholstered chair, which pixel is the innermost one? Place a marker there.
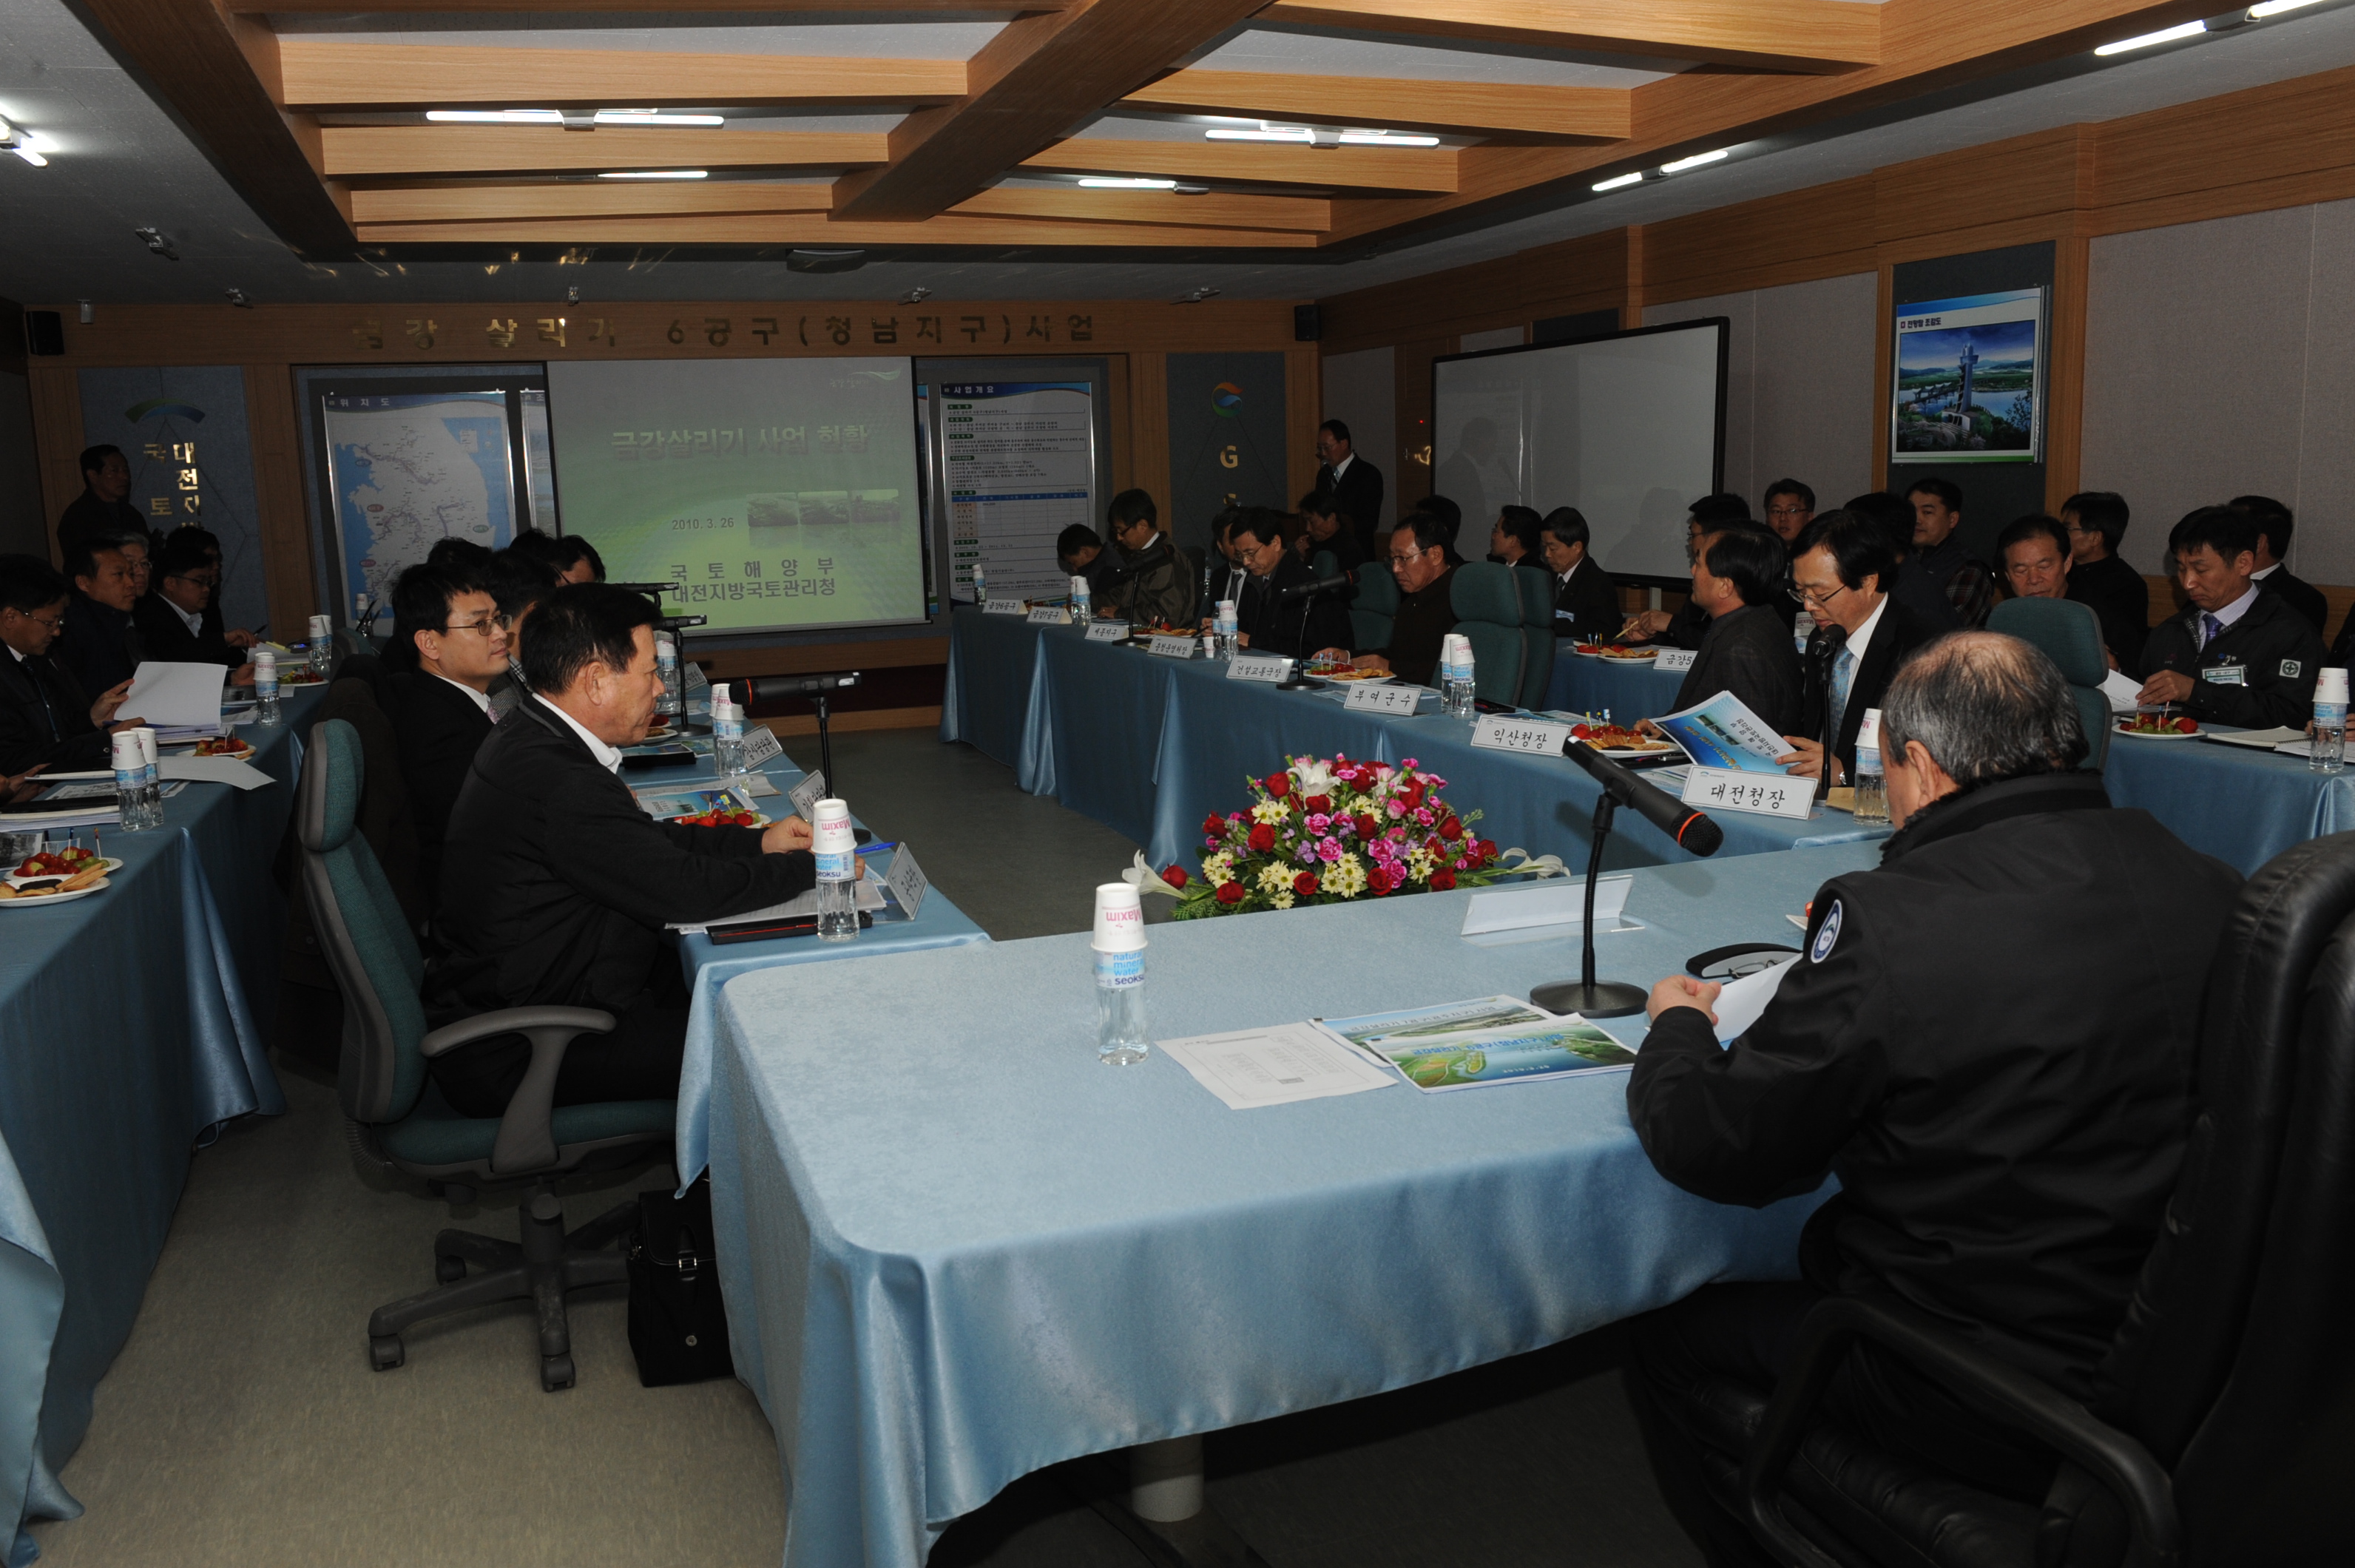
(1371, 611)
(399, 1119)
(1536, 584)
(2070, 634)
(1488, 605)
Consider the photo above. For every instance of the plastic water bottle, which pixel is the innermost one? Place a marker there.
(323, 644)
(1229, 629)
(1456, 674)
(727, 735)
(1803, 626)
(2326, 753)
(1083, 604)
(130, 780)
(835, 846)
(1872, 794)
(1123, 1038)
(667, 661)
(980, 585)
(266, 686)
(151, 779)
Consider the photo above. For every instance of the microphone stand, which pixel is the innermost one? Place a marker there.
(1301, 681)
(1590, 997)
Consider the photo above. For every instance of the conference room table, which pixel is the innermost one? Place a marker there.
(956, 1248)
(128, 1032)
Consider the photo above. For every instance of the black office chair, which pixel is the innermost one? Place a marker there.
(399, 1119)
(2223, 1428)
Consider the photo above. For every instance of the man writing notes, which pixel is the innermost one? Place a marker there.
(1861, 636)
(1354, 484)
(1426, 612)
(556, 887)
(175, 618)
(1146, 584)
(1585, 600)
(1267, 623)
(45, 718)
(2006, 1147)
(1747, 649)
(1324, 528)
(441, 707)
(2239, 657)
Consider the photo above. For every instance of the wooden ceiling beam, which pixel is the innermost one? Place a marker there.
(1406, 171)
(585, 199)
(914, 8)
(1029, 85)
(1212, 209)
(789, 229)
(1759, 35)
(320, 72)
(409, 150)
(1462, 108)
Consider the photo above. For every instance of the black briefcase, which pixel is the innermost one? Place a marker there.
(679, 1328)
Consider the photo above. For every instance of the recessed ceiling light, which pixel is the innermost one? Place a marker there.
(1617, 180)
(2275, 7)
(1107, 182)
(24, 143)
(1681, 164)
(656, 175)
(2146, 40)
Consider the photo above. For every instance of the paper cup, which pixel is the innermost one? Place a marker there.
(1120, 919)
(127, 757)
(1868, 733)
(146, 745)
(1079, 588)
(2331, 685)
(831, 828)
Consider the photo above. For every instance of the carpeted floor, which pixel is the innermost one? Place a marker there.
(241, 1425)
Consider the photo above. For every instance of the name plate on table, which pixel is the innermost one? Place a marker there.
(1510, 733)
(1368, 698)
(1171, 646)
(695, 677)
(1049, 615)
(1271, 667)
(761, 743)
(1005, 607)
(1676, 659)
(807, 793)
(1107, 630)
(1763, 795)
(906, 881)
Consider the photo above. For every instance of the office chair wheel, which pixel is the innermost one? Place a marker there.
(384, 1351)
(555, 1372)
(449, 1270)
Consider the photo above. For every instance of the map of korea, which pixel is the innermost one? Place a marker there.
(426, 478)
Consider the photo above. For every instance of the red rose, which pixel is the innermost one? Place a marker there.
(1366, 827)
(1278, 785)
(1262, 837)
(1305, 883)
(1410, 796)
(1378, 880)
(1318, 803)
(1487, 847)
(1174, 876)
(1441, 880)
(1451, 829)
(1231, 893)
(1214, 824)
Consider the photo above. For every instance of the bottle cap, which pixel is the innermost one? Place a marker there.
(2331, 685)
(1120, 920)
(146, 744)
(831, 833)
(128, 758)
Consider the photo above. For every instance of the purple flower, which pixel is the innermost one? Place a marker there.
(1307, 852)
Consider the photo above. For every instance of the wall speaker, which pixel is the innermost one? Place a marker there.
(44, 333)
(1307, 324)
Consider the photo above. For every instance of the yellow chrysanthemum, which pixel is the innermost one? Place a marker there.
(1275, 878)
(1270, 811)
(1283, 899)
(1345, 877)
(1219, 868)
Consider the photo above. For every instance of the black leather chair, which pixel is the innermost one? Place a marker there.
(2222, 1428)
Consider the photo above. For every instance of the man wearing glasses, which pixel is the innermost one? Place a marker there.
(1840, 562)
(174, 618)
(1426, 612)
(44, 716)
(441, 709)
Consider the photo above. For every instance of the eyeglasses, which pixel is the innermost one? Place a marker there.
(487, 624)
(212, 581)
(1787, 511)
(1817, 598)
(1398, 561)
(54, 623)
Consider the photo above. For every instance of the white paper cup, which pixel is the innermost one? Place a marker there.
(830, 829)
(1079, 587)
(127, 757)
(1868, 733)
(1120, 919)
(146, 744)
(2331, 685)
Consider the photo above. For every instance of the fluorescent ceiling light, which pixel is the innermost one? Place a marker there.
(656, 175)
(1106, 182)
(1681, 164)
(495, 116)
(655, 117)
(2274, 8)
(1615, 182)
(2164, 36)
(1301, 136)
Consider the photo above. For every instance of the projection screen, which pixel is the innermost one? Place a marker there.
(1628, 428)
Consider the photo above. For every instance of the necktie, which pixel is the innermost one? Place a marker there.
(2210, 629)
(37, 670)
(1843, 675)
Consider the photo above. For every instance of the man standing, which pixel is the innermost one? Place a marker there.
(1426, 612)
(45, 717)
(2005, 1151)
(1747, 650)
(100, 644)
(441, 711)
(1939, 556)
(1585, 600)
(1861, 637)
(2239, 656)
(1147, 584)
(102, 511)
(1354, 484)
(2273, 526)
(2097, 521)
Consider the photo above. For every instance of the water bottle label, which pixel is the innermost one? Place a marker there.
(835, 868)
(1120, 971)
(1867, 761)
(2332, 715)
(128, 779)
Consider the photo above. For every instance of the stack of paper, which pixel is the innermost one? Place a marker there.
(179, 701)
(870, 898)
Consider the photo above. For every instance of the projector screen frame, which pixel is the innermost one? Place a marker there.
(1724, 327)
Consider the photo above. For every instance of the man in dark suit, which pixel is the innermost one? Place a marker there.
(175, 619)
(1747, 650)
(441, 711)
(2273, 527)
(99, 642)
(556, 887)
(2239, 656)
(1354, 484)
(1862, 636)
(1268, 623)
(45, 719)
(1426, 613)
(2097, 521)
(1585, 600)
(1324, 526)
(101, 511)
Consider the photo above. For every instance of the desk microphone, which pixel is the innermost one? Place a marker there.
(1690, 828)
(1310, 590)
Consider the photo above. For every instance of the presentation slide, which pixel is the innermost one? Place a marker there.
(1626, 428)
(779, 493)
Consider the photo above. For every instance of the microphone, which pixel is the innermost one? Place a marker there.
(773, 688)
(1690, 828)
(1310, 590)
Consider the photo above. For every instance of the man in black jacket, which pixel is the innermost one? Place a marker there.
(45, 718)
(1684, 627)
(1747, 649)
(2273, 528)
(2006, 1148)
(1146, 582)
(102, 511)
(1354, 484)
(1585, 600)
(1269, 623)
(1426, 611)
(2240, 655)
(556, 887)
(441, 711)
(2097, 521)
(1862, 636)
(1324, 526)
(99, 642)
(175, 619)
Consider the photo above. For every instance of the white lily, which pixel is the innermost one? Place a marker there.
(1314, 777)
(1534, 865)
(1145, 879)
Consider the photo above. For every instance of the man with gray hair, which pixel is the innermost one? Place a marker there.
(2006, 1124)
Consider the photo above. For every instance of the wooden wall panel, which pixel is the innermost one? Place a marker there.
(1826, 232)
(1148, 406)
(1589, 273)
(288, 579)
(1303, 404)
(57, 437)
(2064, 356)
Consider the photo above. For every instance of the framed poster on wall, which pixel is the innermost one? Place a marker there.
(1968, 382)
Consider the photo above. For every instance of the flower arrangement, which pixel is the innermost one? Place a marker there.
(1330, 832)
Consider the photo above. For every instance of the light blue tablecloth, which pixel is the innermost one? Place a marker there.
(2242, 807)
(127, 1031)
(955, 1248)
(1630, 691)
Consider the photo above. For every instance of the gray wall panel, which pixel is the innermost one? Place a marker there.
(2324, 548)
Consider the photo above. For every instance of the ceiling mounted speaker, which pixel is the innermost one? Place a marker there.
(825, 261)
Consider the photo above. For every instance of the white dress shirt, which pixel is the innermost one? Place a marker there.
(604, 753)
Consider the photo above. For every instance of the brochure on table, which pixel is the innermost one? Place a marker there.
(1722, 732)
(1480, 1043)
(665, 804)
